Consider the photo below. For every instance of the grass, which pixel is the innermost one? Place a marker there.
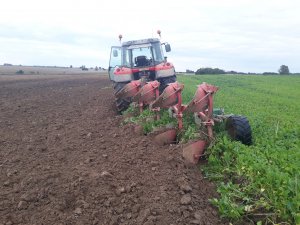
(259, 182)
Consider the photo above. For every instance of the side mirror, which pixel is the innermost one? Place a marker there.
(168, 47)
(115, 53)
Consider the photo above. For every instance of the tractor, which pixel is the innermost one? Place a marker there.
(143, 76)
(139, 60)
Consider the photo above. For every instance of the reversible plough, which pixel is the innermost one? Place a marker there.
(146, 94)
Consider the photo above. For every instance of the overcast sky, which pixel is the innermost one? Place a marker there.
(241, 35)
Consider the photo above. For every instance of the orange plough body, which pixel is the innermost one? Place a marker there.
(201, 105)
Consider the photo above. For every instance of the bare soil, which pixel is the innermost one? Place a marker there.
(45, 70)
(65, 158)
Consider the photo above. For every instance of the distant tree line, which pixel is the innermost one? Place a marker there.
(190, 71)
(83, 67)
(283, 70)
(208, 70)
(269, 73)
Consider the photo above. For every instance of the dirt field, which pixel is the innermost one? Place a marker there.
(65, 159)
(45, 70)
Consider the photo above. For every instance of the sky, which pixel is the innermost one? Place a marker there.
(240, 35)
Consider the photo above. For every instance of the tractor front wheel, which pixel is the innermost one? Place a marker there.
(239, 129)
(121, 104)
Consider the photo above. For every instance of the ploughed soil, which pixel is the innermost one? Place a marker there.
(65, 158)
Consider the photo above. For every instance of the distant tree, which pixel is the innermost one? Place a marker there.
(208, 70)
(71, 66)
(19, 72)
(83, 67)
(284, 69)
(96, 68)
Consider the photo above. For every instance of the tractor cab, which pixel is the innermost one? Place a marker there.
(139, 62)
(142, 53)
(135, 55)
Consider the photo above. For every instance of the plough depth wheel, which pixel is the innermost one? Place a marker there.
(239, 129)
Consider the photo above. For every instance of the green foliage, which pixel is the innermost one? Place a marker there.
(147, 119)
(189, 71)
(208, 70)
(263, 180)
(20, 72)
(148, 122)
(284, 69)
(270, 73)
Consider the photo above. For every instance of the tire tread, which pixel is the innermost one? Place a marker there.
(242, 129)
(121, 104)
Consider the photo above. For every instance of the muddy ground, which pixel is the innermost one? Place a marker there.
(65, 159)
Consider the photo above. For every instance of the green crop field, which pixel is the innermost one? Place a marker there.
(259, 182)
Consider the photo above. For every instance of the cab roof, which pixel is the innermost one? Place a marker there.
(141, 42)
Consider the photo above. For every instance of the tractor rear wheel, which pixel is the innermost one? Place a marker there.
(165, 81)
(239, 129)
(121, 104)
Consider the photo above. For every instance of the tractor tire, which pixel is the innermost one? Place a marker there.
(165, 81)
(239, 129)
(121, 104)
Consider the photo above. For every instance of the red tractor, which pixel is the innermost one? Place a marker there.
(139, 60)
(141, 74)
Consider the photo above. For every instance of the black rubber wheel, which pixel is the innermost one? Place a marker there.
(165, 81)
(239, 129)
(121, 104)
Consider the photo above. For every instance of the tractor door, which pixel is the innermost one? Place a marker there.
(115, 60)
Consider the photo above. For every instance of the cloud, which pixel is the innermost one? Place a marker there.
(256, 35)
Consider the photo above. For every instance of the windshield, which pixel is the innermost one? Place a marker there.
(135, 56)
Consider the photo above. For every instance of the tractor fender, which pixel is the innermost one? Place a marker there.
(123, 74)
(164, 70)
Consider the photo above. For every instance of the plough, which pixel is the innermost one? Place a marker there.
(146, 94)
